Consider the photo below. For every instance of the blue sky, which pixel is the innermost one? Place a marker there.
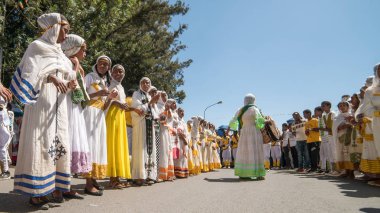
(291, 54)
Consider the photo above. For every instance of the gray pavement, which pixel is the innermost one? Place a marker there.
(221, 191)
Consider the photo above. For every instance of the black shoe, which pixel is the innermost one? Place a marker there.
(98, 193)
(5, 175)
(57, 199)
(73, 196)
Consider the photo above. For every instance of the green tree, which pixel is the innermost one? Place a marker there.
(135, 33)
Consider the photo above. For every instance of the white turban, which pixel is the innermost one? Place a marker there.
(72, 45)
(50, 24)
(249, 99)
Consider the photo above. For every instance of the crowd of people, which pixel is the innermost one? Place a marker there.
(342, 144)
(75, 123)
(78, 124)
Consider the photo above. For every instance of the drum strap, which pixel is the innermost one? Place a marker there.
(242, 111)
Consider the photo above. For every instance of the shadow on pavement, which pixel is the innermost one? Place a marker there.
(370, 210)
(11, 202)
(349, 187)
(229, 180)
(224, 180)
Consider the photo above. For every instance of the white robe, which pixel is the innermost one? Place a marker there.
(140, 156)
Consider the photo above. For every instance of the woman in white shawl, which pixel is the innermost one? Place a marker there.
(166, 163)
(40, 83)
(117, 140)
(74, 48)
(144, 161)
(181, 167)
(342, 132)
(97, 83)
(368, 115)
(249, 160)
(196, 146)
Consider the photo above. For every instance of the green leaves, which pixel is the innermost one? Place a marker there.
(134, 33)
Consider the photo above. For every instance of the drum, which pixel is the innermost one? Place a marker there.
(270, 131)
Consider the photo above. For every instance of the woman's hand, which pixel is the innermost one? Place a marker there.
(154, 99)
(113, 94)
(103, 92)
(5, 93)
(75, 61)
(139, 112)
(72, 84)
(61, 87)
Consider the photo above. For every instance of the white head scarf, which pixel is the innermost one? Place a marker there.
(72, 45)
(144, 79)
(376, 79)
(369, 81)
(249, 99)
(50, 24)
(104, 79)
(152, 88)
(117, 84)
(44, 56)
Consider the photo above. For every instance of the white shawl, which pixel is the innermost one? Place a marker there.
(42, 57)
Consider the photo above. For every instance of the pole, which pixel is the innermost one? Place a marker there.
(204, 112)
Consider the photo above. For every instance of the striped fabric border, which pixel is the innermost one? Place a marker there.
(36, 186)
(22, 89)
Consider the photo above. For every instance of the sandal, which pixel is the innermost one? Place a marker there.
(40, 204)
(374, 183)
(57, 199)
(98, 193)
(116, 185)
(126, 185)
(69, 195)
(260, 178)
(97, 185)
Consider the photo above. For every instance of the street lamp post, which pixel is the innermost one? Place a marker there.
(204, 112)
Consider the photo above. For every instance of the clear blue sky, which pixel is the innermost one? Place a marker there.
(291, 54)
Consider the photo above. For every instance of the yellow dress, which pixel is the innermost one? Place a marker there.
(117, 144)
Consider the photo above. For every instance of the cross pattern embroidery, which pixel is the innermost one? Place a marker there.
(56, 150)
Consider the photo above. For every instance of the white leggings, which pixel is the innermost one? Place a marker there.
(266, 148)
(275, 153)
(5, 139)
(326, 154)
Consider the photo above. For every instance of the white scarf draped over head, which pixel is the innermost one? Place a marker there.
(72, 45)
(97, 61)
(249, 99)
(117, 84)
(376, 79)
(339, 119)
(43, 56)
(144, 79)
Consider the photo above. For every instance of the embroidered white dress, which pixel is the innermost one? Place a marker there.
(96, 126)
(144, 163)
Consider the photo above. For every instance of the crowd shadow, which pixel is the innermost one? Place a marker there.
(370, 210)
(349, 187)
(12, 202)
(229, 180)
(223, 180)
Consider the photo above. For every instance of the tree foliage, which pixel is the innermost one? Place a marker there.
(135, 33)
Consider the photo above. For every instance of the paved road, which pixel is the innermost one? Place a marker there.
(220, 191)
